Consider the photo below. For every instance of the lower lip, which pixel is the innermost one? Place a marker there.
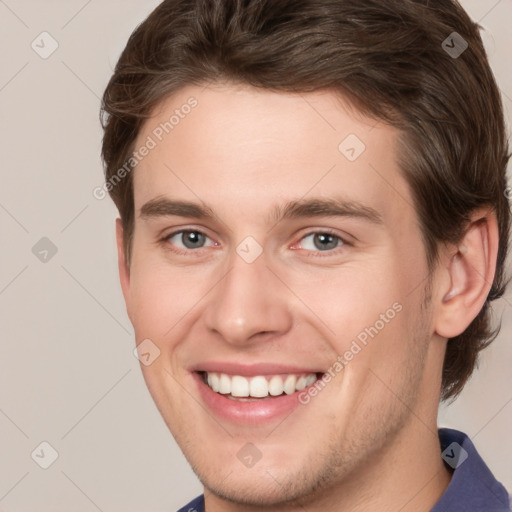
(252, 412)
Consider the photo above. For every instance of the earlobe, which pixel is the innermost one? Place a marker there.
(470, 275)
(123, 266)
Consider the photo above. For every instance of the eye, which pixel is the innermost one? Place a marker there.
(188, 239)
(321, 241)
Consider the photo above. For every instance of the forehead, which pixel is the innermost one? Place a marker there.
(245, 147)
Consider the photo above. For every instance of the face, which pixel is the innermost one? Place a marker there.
(278, 268)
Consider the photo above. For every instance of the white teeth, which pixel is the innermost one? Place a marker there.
(239, 386)
(213, 381)
(310, 379)
(275, 386)
(224, 384)
(259, 386)
(301, 383)
(289, 384)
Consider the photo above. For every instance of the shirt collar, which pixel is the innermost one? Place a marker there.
(472, 486)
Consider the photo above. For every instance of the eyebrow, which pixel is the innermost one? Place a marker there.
(163, 207)
(315, 207)
(322, 207)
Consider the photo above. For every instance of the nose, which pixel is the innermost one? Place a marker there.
(249, 302)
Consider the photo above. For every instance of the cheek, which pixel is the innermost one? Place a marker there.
(354, 299)
(158, 297)
(369, 311)
(149, 304)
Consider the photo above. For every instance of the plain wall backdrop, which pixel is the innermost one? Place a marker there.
(68, 376)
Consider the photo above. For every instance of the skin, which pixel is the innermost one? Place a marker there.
(368, 440)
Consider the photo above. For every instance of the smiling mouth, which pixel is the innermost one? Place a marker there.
(257, 387)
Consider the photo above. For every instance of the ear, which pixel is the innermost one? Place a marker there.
(468, 276)
(123, 265)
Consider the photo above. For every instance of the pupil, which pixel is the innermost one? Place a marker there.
(192, 239)
(325, 241)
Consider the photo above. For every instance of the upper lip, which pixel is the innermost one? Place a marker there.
(250, 370)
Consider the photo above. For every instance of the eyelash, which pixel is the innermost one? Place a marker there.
(313, 253)
(343, 243)
(184, 252)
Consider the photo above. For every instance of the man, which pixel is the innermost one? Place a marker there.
(312, 226)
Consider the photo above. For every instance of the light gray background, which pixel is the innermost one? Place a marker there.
(67, 372)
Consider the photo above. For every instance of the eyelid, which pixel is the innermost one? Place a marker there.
(344, 239)
(181, 231)
(164, 235)
(164, 241)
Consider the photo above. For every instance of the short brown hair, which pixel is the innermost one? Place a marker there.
(387, 58)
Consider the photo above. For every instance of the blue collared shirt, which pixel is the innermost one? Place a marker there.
(472, 487)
